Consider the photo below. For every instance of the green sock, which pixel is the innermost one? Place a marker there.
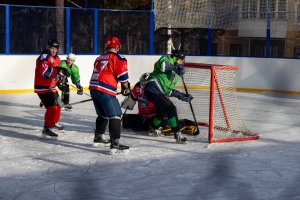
(173, 122)
(156, 122)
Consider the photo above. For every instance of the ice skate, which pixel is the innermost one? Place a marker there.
(179, 138)
(156, 132)
(100, 140)
(49, 134)
(116, 147)
(68, 107)
(58, 126)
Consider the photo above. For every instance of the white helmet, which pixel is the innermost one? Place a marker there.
(71, 56)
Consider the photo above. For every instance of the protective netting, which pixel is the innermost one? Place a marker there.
(219, 14)
(227, 122)
(236, 27)
(194, 13)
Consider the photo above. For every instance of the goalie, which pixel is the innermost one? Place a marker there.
(146, 109)
(147, 113)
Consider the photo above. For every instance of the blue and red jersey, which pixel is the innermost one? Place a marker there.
(109, 69)
(45, 73)
(146, 108)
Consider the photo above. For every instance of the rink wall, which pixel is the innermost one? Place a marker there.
(255, 75)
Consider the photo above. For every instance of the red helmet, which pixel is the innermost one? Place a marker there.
(112, 42)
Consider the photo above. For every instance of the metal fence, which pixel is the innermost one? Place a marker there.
(26, 30)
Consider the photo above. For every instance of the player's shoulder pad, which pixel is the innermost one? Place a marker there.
(45, 55)
(120, 57)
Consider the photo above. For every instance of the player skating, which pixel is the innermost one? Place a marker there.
(109, 69)
(47, 74)
(70, 69)
(160, 86)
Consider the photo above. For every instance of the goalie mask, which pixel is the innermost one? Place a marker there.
(144, 78)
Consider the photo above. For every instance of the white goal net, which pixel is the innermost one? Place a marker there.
(215, 102)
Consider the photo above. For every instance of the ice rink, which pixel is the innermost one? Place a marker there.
(156, 167)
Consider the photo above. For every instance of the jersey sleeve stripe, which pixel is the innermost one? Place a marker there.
(47, 73)
(123, 77)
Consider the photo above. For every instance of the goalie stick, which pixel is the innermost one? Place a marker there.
(191, 106)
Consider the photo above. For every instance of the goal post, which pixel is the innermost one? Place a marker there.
(215, 102)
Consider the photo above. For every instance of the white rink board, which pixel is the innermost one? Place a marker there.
(17, 71)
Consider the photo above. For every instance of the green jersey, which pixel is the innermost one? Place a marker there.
(165, 77)
(72, 71)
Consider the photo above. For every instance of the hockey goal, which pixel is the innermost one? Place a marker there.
(215, 102)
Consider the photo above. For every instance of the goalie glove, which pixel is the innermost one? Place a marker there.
(181, 96)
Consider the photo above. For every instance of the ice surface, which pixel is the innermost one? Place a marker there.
(155, 167)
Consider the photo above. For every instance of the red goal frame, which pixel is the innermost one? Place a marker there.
(214, 85)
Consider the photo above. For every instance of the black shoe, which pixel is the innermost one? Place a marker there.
(117, 147)
(47, 133)
(58, 126)
(99, 139)
(179, 138)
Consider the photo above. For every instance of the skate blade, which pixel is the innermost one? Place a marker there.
(179, 142)
(156, 135)
(60, 130)
(117, 151)
(97, 145)
(47, 137)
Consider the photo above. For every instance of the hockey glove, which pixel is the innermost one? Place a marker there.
(79, 88)
(181, 96)
(178, 68)
(125, 91)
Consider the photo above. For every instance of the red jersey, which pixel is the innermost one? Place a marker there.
(146, 108)
(109, 69)
(45, 72)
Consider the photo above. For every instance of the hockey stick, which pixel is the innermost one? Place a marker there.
(74, 86)
(124, 113)
(191, 106)
(79, 102)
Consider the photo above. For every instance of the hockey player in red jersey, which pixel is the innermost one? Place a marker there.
(109, 69)
(145, 107)
(47, 74)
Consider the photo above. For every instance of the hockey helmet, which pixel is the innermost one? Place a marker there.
(71, 56)
(112, 42)
(177, 54)
(53, 43)
(144, 77)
